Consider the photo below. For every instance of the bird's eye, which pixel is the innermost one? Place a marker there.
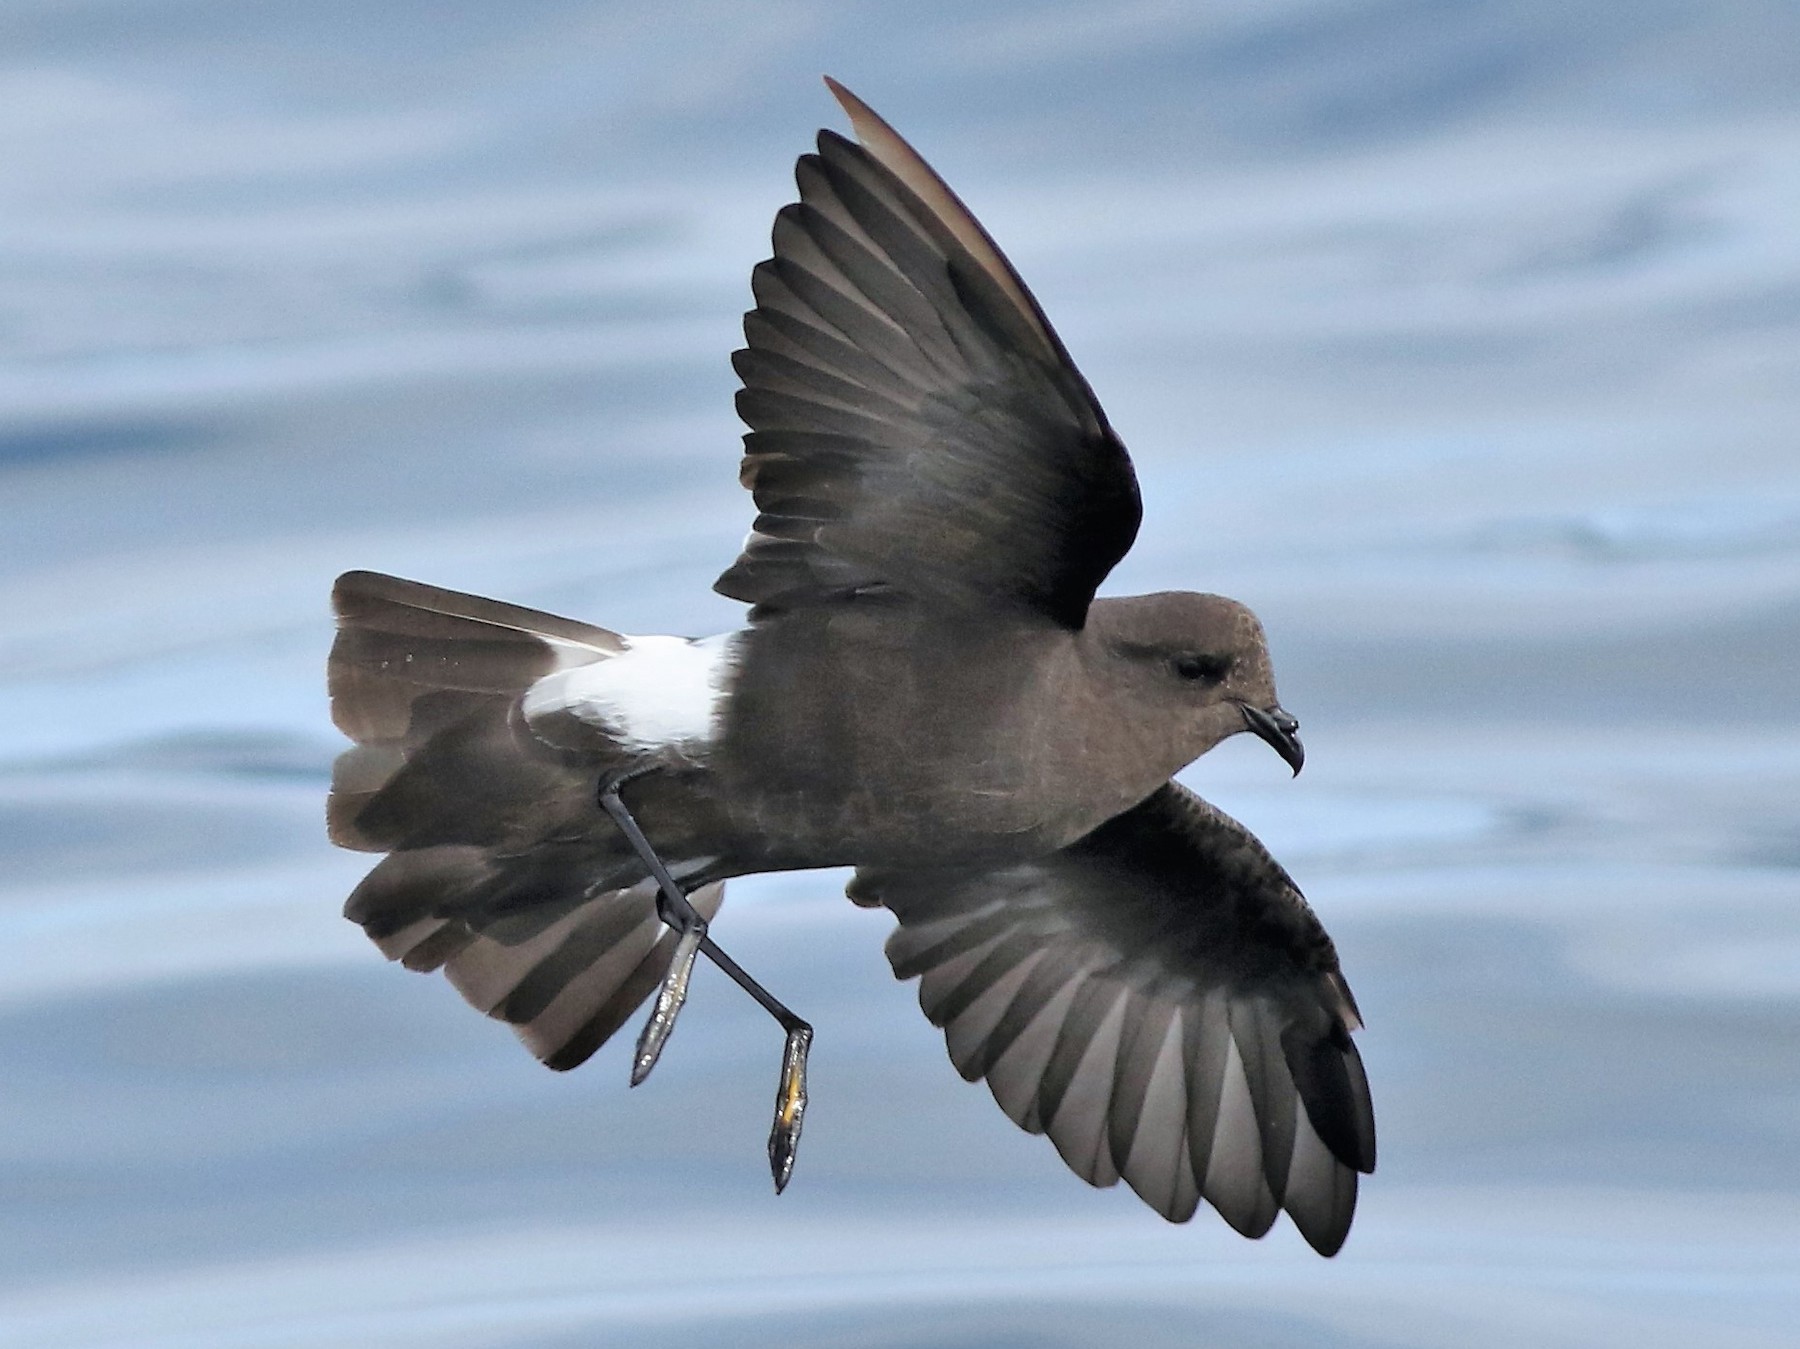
(1202, 668)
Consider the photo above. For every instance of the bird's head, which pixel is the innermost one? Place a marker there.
(1200, 663)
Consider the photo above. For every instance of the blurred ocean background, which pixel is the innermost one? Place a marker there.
(1460, 338)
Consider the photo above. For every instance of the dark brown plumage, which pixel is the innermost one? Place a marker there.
(928, 691)
(1160, 1000)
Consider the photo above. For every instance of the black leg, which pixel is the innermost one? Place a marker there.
(673, 907)
(790, 1089)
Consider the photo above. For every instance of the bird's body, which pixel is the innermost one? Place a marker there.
(928, 691)
(872, 734)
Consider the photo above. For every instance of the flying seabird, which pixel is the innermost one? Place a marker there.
(927, 690)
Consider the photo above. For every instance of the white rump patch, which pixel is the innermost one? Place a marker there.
(655, 693)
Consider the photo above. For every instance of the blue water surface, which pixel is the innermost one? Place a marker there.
(1458, 339)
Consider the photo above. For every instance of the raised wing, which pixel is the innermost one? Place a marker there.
(916, 425)
(1160, 1000)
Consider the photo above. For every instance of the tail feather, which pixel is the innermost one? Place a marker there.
(500, 869)
(418, 885)
(481, 780)
(567, 989)
(400, 640)
(356, 779)
(427, 682)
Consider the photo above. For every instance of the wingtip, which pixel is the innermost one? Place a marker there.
(896, 155)
(865, 121)
(848, 101)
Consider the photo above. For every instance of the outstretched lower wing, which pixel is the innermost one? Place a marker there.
(916, 424)
(1161, 1001)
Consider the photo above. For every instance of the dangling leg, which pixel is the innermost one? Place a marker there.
(673, 908)
(790, 1089)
